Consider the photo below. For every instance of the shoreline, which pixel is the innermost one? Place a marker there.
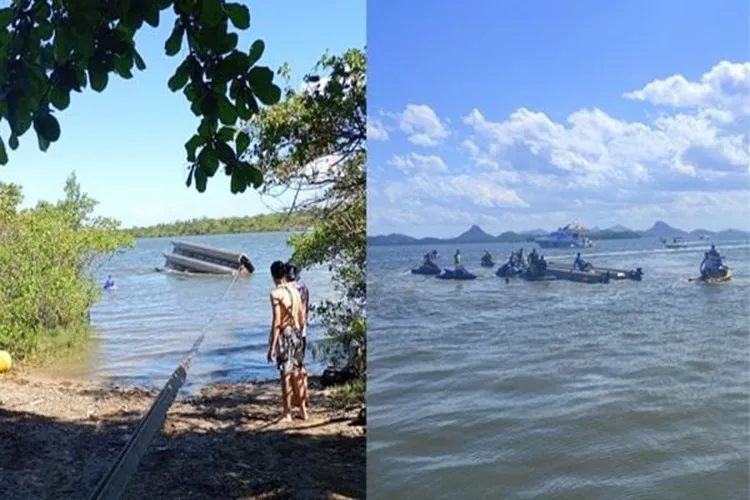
(60, 435)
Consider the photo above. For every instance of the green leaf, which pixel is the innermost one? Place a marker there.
(59, 98)
(6, 17)
(256, 51)
(211, 12)
(62, 45)
(225, 153)
(225, 134)
(227, 111)
(13, 142)
(43, 143)
(123, 66)
(208, 160)
(44, 30)
(239, 15)
(260, 79)
(151, 15)
(206, 129)
(209, 105)
(189, 179)
(201, 178)
(228, 43)
(192, 144)
(242, 142)
(180, 77)
(174, 43)
(139, 62)
(253, 175)
(3, 153)
(98, 79)
(238, 184)
(46, 125)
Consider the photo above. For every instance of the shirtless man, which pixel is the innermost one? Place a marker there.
(285, 340)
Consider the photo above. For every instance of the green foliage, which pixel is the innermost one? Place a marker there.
(46, 253)
(51, 48)
(314, 141)
(228, 225)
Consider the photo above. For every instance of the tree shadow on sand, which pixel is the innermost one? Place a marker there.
(222, 444)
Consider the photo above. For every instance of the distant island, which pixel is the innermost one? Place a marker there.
(263, 223)
(476, 234)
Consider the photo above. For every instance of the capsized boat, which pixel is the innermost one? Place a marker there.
(614, 273)
(191, 257)
(460, 273)
(428, 268)
(571, 274)
(573, 235)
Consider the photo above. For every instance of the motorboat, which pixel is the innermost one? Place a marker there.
(572, 235)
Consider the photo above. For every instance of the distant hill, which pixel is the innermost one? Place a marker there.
(661, 229)
(731, 234)
(476, 234)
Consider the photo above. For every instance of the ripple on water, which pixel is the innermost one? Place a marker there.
(559, 390)
(148, 324)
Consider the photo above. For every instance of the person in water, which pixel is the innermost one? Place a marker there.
(457, 259)
(110, 283)
(487, 257)
(285, 344)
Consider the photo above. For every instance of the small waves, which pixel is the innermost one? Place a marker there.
(559, 390)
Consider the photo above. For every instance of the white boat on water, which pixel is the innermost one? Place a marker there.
(571, 236)
(202, 259)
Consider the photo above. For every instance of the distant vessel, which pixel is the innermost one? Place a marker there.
(571, 236)
(677, 242)
(203, 259)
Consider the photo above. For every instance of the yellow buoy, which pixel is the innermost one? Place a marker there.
(5, 361)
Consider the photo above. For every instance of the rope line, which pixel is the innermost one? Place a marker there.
(113, 484)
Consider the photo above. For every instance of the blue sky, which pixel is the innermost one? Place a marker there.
(522, 115)
(126, 144)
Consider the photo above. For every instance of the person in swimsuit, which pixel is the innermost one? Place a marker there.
(293, 278)
(285, 344)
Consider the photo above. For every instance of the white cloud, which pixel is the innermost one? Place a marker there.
(485, 191)
(689, 162)
(422, 125)
(376, 131)
(416, 162)
(726, 85)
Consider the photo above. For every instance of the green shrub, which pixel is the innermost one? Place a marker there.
(46, 257)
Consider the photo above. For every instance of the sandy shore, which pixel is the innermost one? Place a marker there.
(58, 437)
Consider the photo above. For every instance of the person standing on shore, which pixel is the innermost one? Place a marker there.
(285, 341)
(293, 278)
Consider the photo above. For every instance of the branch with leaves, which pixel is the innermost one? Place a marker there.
(51, 48)
(314, 140)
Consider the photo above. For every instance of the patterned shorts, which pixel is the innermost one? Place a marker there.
(290, 353)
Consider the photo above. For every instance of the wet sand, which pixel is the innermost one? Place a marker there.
(58, 437)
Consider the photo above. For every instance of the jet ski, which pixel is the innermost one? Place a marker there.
(487, 261)
(428, 268)
(456, 274)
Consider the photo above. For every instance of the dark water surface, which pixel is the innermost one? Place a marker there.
(559, 390)
(146, 326)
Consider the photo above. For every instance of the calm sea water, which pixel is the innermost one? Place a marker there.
(146, 326)
(559, 390)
